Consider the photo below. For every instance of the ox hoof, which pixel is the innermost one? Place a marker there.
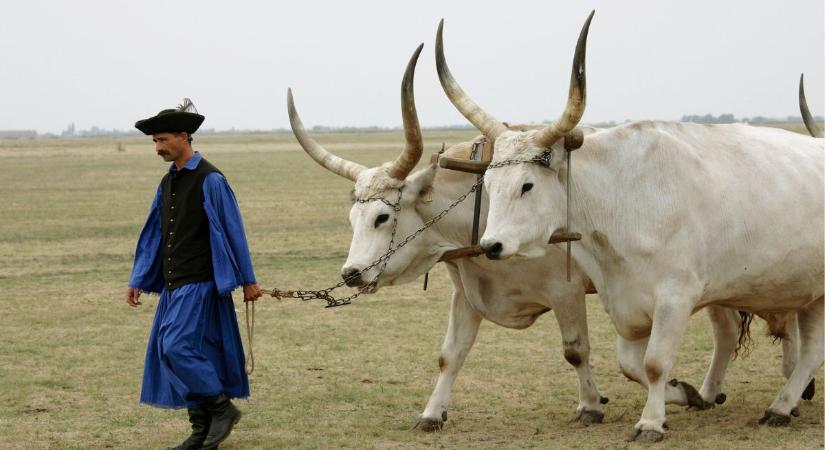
(646, 436)
(795, 411)
(773, 419)
(720, 399)
(694, 400)
(588, 417)
(603, 400)
(809, 392)
(429, 425)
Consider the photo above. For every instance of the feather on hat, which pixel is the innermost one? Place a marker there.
(183, 119)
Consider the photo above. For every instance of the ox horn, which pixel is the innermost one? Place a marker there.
(334, 164)
(576, 98)
(810, 123)
(406, 161)
(481, 119)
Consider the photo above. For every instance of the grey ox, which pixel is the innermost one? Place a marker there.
(674, 218)
(511, 295)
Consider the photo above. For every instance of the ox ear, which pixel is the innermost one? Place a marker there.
(420, 184)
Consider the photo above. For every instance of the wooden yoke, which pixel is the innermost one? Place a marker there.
(558, 237)
(461, 165)
(477, 167)
(572, 141)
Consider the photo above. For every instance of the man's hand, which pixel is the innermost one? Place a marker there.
(251, 292)
(132, 297)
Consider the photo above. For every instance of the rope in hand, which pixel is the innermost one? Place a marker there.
(249, 362)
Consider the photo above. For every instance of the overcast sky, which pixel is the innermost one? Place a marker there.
(110, 63)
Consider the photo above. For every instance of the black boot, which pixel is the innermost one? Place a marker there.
(224, 416)
(200, 420)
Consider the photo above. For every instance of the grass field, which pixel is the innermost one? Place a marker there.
(71, 351)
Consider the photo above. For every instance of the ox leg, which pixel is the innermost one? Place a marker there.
(670, 319)
(462, 330)
(790, 355)
(811, 356)
(725, 323)
(631, 356)
(571, 316)
(790, 346)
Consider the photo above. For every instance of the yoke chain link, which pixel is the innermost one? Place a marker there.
(543, 159)
(326, 294)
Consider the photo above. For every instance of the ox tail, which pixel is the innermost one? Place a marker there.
(744, 343)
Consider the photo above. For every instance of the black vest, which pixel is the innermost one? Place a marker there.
(187, 256)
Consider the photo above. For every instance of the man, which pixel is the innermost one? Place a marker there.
(193, 252)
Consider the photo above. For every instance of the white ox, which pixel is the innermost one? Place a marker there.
(674, 217)
(510, 295)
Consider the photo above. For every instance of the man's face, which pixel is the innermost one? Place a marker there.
(170, 146)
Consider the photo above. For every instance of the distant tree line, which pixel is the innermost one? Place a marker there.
(730, 118)
(710, 118)
(18, 134)
(71, 130)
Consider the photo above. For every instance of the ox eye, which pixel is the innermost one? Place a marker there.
(525, 188)
(381, 219)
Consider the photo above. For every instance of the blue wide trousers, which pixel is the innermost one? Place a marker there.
(194, 349)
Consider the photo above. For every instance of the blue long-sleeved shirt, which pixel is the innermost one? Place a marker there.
(231, 263)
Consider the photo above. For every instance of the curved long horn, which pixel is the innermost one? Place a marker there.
(334, 164)
(576, 98)
(810, 123)
(406, 161)
(481, 119)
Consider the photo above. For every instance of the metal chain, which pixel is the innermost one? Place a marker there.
(326, 294)
(543, 159)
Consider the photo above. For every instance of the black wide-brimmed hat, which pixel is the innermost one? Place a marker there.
(183, 119)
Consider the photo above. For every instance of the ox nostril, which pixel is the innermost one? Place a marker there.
(494, 251)
(351, 276)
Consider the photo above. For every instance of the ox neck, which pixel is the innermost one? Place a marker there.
(454, 230)
(590, 200)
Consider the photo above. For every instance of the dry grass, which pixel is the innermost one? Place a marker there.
(353, 377)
